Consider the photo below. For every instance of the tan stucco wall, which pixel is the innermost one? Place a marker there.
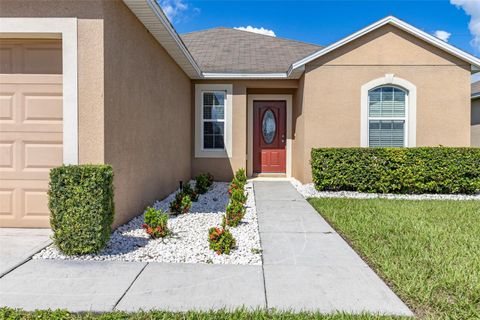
(90, 64)
(133, 100)
(223, 168)
(475, 122)
(147, 114)
(332, 92)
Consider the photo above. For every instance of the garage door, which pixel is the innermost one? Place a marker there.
(30, 128)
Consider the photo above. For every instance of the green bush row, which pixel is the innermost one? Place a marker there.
(81, 206)
(443, 170)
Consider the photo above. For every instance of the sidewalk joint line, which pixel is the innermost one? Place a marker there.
(131, 284)
(25, 261)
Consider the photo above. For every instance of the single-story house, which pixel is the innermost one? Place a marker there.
(113, 82)
(475, 114)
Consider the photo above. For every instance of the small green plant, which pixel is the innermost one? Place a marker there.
(189, 191)
(234, 214)
(238, 195)
(181, 203)
(221, 240)
(156, 223)
(256, 251)
(241, 176)
(81, 206)
(235, 185)
(203, 182)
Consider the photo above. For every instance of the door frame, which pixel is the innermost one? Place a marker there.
(269, 97)
(66, 30)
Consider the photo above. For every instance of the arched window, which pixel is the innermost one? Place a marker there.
(387, 117)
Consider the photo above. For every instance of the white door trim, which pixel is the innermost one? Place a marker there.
(55, 28)
(269, 97)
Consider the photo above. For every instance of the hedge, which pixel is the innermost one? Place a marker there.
(81, 206)
(441, 170)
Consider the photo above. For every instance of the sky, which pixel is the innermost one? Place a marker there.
(324, 22)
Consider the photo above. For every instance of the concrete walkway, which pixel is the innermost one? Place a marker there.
(307, 266)
(18, 245)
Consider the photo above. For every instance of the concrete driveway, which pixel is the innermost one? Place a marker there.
(18, 245)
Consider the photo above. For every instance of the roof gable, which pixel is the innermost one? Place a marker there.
(474, 61)
(226, 50)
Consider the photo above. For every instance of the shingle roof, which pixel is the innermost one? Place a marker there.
(230, 50)
(476, 89)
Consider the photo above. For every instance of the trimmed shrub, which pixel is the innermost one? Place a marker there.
(235, 185)
(156, 223)
(241, 176)
(189, 191)
(203, 182)
(238, 195)
(181, 203)
(397, 170)
(221, 240)
(234, 213)
(81, 206)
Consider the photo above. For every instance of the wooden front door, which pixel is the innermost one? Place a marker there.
(269, 136)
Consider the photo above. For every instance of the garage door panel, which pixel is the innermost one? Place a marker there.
(42, 155)
(31, 126)
(28, 203)
(6, 106)
(43, 108)
(7, 200)
(29, 155)
(29, 107)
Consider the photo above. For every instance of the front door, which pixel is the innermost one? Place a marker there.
(269, 136)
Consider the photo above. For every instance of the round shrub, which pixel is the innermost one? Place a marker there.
(221, 240)
(241, 176)
(82, 207)
(181, 203)
(156, 223)
(203, 182)
(238, 195)
(234, 213)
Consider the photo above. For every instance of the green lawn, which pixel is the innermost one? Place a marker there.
(429, 251)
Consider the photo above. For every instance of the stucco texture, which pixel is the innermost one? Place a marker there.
(133, 100)
(475, 128)
(330, 109)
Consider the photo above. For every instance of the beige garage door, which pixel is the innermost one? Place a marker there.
(30, 128)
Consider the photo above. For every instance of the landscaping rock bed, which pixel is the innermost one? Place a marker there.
(189, 241)
(308, 191)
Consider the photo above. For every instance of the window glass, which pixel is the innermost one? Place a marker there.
(386, 117)
(213, 120)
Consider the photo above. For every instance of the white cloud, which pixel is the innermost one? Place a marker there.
(442, 35)
(261, 30)
(471, 8)
(173, 8)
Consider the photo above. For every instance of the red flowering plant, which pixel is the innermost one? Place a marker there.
(221, 240)
(156, 223)
(181, 203)
(234, 213)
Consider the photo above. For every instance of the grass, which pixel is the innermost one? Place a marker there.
(12, 314)
(428, 251)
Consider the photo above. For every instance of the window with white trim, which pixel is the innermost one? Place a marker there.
(387, 117)
(213, 120)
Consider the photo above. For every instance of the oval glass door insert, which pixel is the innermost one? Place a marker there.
(269, 127)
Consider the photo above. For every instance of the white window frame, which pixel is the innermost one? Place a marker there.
(200, 152)
(410, 118)
(55, 28)
(404, 118)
